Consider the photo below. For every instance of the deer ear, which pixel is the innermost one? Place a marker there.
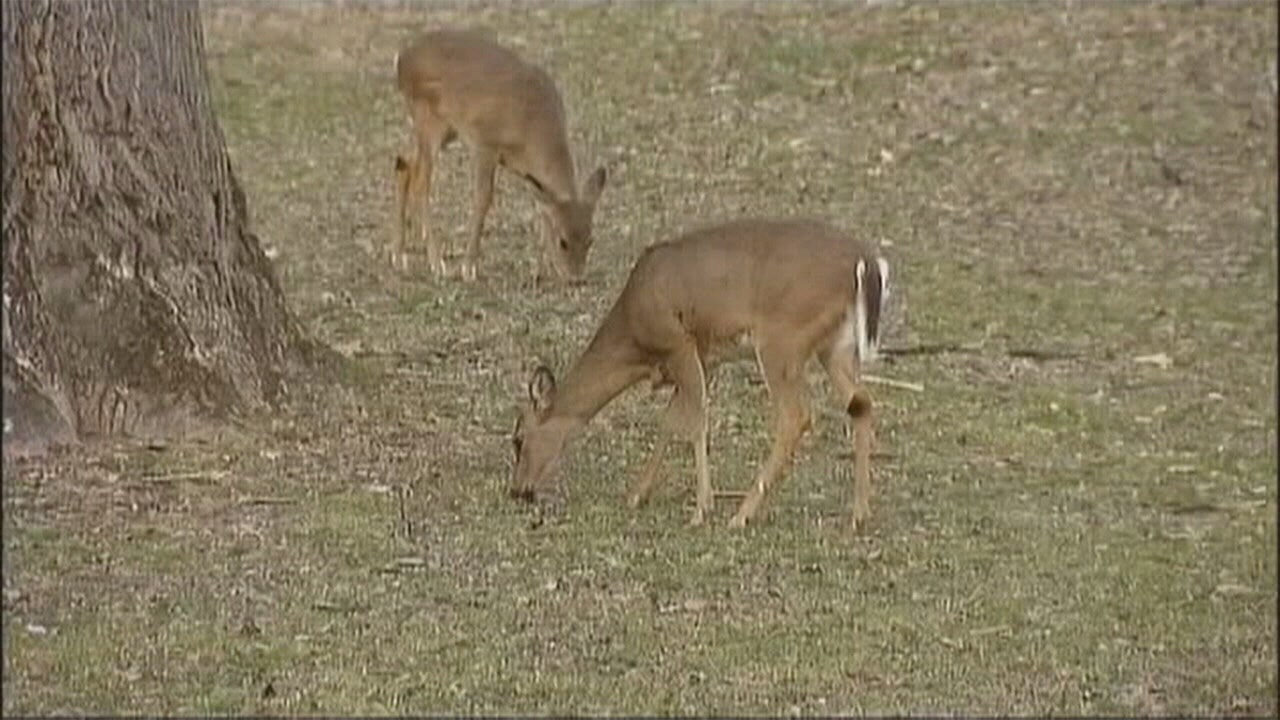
(594, 185)
(542, 388)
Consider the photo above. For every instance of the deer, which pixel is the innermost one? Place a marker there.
(463, 84)
(790, 288)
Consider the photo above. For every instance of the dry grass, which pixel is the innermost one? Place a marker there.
(1082, 535)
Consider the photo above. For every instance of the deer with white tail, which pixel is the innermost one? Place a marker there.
(794, 289)
(461, 83)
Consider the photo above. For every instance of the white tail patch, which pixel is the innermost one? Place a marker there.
(865, 348)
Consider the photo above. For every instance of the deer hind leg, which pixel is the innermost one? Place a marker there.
(843, 367)
(484, 164)
(791, 419)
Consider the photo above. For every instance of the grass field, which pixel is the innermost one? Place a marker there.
(1077, 515)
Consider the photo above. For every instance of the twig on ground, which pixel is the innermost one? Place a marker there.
(267, 501)
(932, 349)
(942, 348)
(901, 384)
(1035, 354)
(210, 476)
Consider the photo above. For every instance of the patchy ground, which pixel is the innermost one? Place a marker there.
(1077, 516)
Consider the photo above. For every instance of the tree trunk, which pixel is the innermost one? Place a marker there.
(136, 300)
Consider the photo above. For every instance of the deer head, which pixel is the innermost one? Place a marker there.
(566, 225)
(537, 440)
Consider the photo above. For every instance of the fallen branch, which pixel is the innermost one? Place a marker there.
(901, 384)
(1034, 354)
(932, 349)
(213, 476)
(267, 501)
(971, 348)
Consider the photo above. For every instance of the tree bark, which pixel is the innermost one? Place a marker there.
(136, 300)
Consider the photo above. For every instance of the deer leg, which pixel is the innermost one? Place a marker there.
(405, 170)
(435, 253)
(843, 367)
(706, 494)
(791, 419)
(415, 187)
(431, 132)
(651, 475)
(545, 241)
(485, 164)
(688, 417)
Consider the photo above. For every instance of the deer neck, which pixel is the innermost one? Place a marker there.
(553, 174)
(610, 364)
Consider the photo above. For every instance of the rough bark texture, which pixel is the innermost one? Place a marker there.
(135, 298)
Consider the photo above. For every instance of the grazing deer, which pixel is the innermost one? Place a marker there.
(795, 288)
(462, 83)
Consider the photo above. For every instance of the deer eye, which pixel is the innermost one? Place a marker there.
(564, 244)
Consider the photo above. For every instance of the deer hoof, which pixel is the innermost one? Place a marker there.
(861, 513)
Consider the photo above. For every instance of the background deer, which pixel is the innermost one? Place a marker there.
(796, 288)
(462, 83)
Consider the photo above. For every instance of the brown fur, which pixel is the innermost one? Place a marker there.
(461, 83)
(787, 284)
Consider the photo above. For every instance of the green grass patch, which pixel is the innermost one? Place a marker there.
(1077, 515)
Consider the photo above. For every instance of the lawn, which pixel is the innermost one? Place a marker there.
(1076, 516)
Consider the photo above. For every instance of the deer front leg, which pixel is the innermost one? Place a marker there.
(651, 474)
(430, 134)
(688, 414)
(413, 185)
(486, 163)
(435, 251)
(706, 493)
(405, 170)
